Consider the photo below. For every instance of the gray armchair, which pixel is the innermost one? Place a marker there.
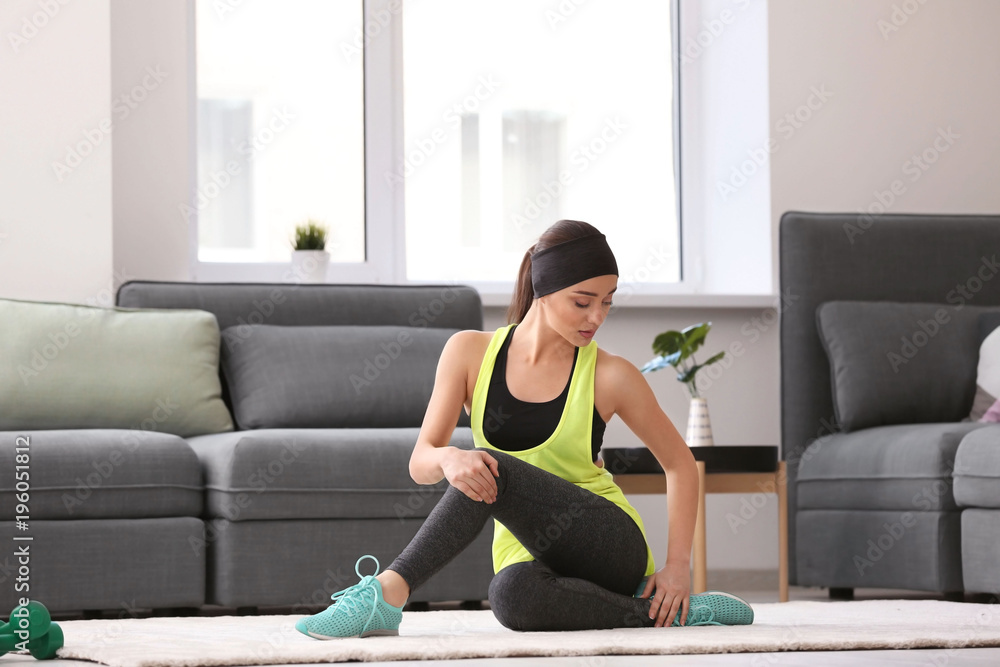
(894, 496)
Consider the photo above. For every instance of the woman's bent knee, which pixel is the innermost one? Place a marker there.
(502, 591)
(513, 596)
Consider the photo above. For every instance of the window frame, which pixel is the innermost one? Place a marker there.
(385, 225)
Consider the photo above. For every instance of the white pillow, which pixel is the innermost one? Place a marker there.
(993, 414)
(987, 379)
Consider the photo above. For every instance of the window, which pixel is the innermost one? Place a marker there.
(463, 131)
(280, 128)
(519, 113)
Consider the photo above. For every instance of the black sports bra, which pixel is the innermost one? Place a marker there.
(514, 425)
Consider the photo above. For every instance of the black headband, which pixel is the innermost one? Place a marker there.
(571, 262)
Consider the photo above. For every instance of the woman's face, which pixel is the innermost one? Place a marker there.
(580, 309)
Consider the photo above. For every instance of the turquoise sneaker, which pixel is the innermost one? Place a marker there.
(357, 611)
(716, 608)
(711, 608)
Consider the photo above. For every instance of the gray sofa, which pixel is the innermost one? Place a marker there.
(890, 485)
(327, 385)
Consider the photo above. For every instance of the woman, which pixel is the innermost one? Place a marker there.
(569, 551)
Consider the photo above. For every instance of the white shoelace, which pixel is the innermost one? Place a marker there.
(350, 599)
(701, 615)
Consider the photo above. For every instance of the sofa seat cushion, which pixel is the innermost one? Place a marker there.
(343, 473)
(100, 474)
(904, 467)
(977, 469)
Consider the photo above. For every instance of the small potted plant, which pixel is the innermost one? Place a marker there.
(309, 255)
(674, 348)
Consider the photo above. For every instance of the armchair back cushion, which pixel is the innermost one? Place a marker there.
(900, 363)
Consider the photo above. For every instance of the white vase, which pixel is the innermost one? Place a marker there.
(309, 266)
(699, 430)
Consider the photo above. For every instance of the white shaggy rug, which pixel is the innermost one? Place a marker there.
(269, 640)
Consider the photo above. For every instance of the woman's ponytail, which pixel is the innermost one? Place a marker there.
(524, 293)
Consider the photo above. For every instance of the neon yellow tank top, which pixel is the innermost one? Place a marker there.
(565, 453)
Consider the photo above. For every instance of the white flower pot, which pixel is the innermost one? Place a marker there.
(699, 429)
(309, 266)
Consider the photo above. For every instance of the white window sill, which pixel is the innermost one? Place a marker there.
(749, 301)
(494, 294)
(643, 295)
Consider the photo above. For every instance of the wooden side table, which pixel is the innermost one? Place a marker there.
(724, 469)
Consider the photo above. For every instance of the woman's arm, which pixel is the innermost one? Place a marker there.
(471, 472)
(445, 405)
(636, 404)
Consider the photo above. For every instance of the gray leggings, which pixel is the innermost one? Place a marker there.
(590, 556)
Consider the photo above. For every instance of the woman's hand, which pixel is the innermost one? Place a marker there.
(472, 473)
(672, 586)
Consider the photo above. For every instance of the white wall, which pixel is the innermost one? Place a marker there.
(154, 126)
(724, 138)
(892, 90)
(55, 228)
(105, 80)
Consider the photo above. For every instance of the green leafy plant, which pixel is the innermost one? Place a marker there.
(675, 347)
(310, 236)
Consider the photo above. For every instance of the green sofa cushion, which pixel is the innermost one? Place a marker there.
(66, 366)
